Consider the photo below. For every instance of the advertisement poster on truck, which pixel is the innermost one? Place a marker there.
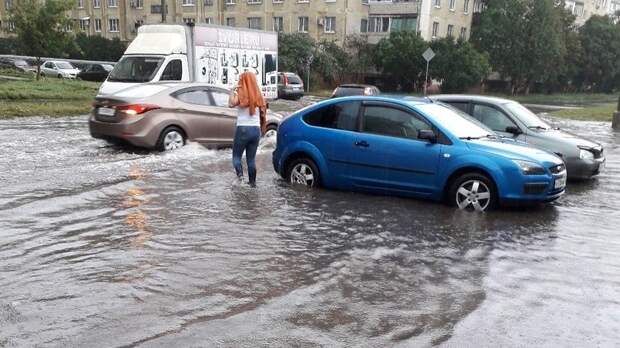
(222, 54)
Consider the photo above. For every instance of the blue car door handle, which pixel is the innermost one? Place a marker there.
(362, 143)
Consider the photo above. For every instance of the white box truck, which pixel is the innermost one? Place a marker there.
(212, 54)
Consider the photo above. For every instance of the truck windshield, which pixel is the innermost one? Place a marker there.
(135, 69)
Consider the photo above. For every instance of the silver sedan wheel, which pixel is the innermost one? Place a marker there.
(173, 140)
(302, 174)
(270, 133)
(473, 195)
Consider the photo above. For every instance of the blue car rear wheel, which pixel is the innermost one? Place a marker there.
(303, 171)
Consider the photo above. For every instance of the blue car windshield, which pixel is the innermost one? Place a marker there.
(455, 123)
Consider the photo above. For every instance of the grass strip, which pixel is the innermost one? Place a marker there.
(601, 112)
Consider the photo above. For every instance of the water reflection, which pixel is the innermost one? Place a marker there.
(170, 250)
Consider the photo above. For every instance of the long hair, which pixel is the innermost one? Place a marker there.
(250, 95)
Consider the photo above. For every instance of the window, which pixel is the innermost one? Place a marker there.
(8, 4)
(364, 25)
(578, 11)
(113, 25)
(98, 25)
(80, 3)
(278, 24)
(84, 24)
(303, 25)
(303, 1)
(173, 71)
(255, 23)
(403, 23)
(220, 98)
(188, 20)
(337, 116)
(157, 9)
(197, 96)
(209, 20)
(230, 2)
(138, 3)
(189, 3)
(452, 5)
(255, 2)
(208, 2)
(463, 33)
(330, 25)
(435, 29)
(112, 3)
(492, 117)
(230, 21)
(450, 30)
(463, 106)
(437, 3)
(96, 3)
(466, 7)
(68, 26)
(11, 25)
(378, 24)
(392, 122)
(278, 1)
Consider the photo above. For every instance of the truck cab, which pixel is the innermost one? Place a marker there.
(211, 54)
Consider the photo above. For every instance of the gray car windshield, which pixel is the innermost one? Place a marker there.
(530, 119)
(135, 69)
(454, 122)
(64, 65)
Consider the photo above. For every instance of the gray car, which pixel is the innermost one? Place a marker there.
(165, 115)
(584, 158)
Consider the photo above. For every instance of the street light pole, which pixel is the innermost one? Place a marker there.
(163, 11)
(426, 77)
(615, 121)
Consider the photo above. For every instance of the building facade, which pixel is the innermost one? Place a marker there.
(330, 20)
(584, 9)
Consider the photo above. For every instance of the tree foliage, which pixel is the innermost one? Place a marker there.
(600, 57)
(400, 57)
(97, 48)
(40, 27)
(458, 66)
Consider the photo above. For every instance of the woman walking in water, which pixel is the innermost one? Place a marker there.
(251, 121)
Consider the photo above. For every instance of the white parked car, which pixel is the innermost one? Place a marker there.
(60, 69)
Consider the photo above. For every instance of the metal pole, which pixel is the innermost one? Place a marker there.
(426, 77)
(308, 80)
(163, 11)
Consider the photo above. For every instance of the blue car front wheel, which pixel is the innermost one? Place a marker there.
(473, 192)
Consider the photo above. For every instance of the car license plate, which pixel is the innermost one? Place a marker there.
(103, 111)
(560, 182)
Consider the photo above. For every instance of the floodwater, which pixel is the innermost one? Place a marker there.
(102, 246)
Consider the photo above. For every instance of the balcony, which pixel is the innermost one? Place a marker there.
(388, 7)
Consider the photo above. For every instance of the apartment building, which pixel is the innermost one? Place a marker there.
(584, 9)
(321, 19)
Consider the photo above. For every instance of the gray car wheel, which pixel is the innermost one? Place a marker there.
(170, 139)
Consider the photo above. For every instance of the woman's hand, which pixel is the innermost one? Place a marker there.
(233, 99)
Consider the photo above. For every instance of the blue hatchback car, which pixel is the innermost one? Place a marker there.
(412, 148)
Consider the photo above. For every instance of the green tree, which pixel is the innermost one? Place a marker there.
(458, 65)
(600, 40)
(295, 52)
(400, 57)
(40, 28)
(97, 48)
(524, 40)
(360, 54)
(331, 62)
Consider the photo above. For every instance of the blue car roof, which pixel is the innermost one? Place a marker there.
(411, 100)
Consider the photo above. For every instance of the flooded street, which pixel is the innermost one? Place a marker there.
(102, 246)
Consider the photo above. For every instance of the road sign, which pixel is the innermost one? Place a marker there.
(428, 54)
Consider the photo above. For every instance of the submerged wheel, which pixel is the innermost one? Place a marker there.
(171, 138)
(303, 171)
(271, 131)
(473, 192)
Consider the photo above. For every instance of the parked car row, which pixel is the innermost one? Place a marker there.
(16, 64)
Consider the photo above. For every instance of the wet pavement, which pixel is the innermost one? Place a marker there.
(102, 246)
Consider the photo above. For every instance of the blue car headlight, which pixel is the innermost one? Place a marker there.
(586, 154)
(529, 168)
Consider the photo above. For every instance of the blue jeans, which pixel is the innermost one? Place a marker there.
(246, 139)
